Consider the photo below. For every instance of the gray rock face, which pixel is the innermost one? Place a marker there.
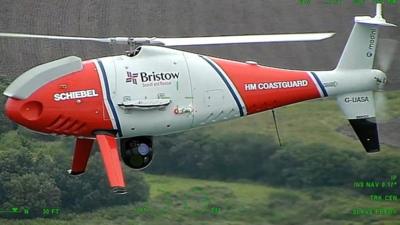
(178, 18)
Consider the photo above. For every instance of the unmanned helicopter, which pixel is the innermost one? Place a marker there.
(124, 101)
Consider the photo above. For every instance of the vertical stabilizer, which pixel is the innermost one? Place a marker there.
(359, 52)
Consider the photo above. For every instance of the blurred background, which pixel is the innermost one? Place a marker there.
(229, 173)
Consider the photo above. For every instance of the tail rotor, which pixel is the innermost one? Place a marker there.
(384, 59)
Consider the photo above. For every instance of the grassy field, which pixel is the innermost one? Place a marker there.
(190, 201)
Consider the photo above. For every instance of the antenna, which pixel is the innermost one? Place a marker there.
(379, 11)
(276, 128)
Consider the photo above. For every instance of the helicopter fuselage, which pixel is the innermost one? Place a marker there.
(156, 92)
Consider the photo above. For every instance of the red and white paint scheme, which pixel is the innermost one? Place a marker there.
(124, 101)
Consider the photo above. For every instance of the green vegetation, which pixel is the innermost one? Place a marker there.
(257, 158)
(5, 123)
(176, 200)
(33, 175)
(311, 122)
(307, 181)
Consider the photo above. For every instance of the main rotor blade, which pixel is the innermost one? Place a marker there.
(242, 39)
(112, 40)
(216, 40)
(15, 35)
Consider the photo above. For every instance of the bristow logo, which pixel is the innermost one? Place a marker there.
(276, 85)
(131, 77)
(151, 77)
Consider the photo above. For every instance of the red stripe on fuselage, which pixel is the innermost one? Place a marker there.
(263, 88)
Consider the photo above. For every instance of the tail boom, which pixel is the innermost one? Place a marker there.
(263, 88)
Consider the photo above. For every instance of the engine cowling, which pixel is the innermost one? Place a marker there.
(137, 152)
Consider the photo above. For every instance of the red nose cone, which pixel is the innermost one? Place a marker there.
(23, 112)
(9, 109)
(70, 105)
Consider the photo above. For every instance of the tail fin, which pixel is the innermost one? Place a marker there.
(359, 109)
(360, 49)
(359, 53)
